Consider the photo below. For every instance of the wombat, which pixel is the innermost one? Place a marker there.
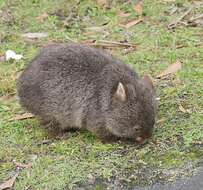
(71, 86)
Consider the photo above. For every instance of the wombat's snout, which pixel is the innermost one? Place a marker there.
(141, 140)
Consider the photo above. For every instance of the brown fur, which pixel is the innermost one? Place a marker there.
(76, 86)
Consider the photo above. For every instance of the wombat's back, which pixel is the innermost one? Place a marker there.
(76, 86)
(64, 81)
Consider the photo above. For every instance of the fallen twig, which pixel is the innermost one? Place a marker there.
(22, 116)
(174, 10)
(110, 44)
(183, 45)
(22, 165)
(196, 18)
(119, 43)
(132, 23)
(174, 24)
(47, 141)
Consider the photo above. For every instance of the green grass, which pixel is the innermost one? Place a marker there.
(73, 162)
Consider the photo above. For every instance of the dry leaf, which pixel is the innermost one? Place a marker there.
(169, 0)
(181, 108)
(21, 165)
(2, 58)
(35, 35)
(128, 50)
(196, 21)
(133, 23)
(22, 116)
(7, 97)
(123, 14)
(9, 183)
(138, 7)
(104, 3)
(50, 43)
(170, 70)
(42, 17)
(161, 121)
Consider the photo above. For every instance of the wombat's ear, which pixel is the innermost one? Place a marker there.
(120, 93)
(147, 80)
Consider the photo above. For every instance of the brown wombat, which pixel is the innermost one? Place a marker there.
(75, 86)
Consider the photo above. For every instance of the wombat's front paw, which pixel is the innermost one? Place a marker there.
(108, 139)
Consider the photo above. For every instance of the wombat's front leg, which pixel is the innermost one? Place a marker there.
(51, 126)
(104, 135)
(108, 139)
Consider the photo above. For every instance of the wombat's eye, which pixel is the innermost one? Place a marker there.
(136, 127)
(131, 104)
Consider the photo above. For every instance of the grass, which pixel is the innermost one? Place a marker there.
(82, 160)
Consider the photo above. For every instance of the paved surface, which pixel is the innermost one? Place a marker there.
(193, 183)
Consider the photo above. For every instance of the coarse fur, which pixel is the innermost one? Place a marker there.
(76, 86)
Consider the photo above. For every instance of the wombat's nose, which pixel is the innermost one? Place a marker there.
(141, 140)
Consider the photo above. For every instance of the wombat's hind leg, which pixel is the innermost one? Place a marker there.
(52, 126)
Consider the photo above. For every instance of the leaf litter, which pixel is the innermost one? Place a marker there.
(9, 183)
(182, 109)
(109, 44)
(42, 17)
(123, 14)
(2, 58)
(170, 70)
(138, 7)
(35, 35)
(175, 23)
(104, 3)
(187, 19)
(133, 22)
(22, 165)
(22, 116)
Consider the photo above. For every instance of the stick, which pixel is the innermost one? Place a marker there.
(175, 23)
(110, 44)
(183, 46)
(196, 18)
(118, 43)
